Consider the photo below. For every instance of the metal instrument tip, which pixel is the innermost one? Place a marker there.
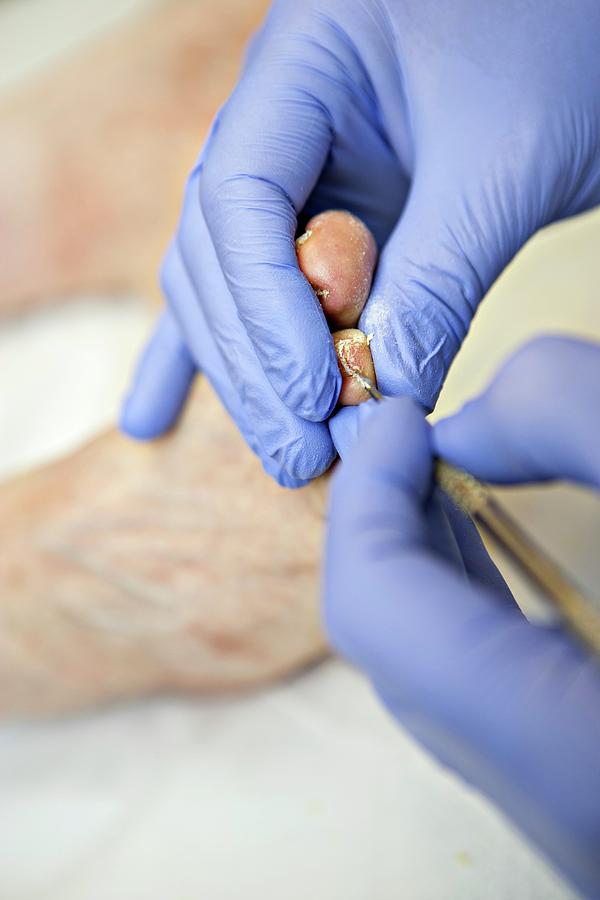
(368, 385)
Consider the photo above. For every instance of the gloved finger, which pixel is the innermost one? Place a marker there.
(441, 538)
(379, 538)
(437, 534)
(362, 172)
(181, 299)
(513, 709)
(503, 702)
(175, 282)
(303, 449)
(538, 419)
(479, 566)
(160, 384)
(264, 160)
(432, 274)
(453, 537)
(178, 289)
(345, 427)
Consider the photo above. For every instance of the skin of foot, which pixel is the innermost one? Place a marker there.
(176, 565)
(128, 569)
(133, 568)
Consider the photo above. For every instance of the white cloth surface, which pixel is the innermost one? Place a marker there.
(303, 790)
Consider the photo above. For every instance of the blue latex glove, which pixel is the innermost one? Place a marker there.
(416, 602)
(489, 111)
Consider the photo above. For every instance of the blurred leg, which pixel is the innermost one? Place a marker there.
(94, 153)
(177, 565)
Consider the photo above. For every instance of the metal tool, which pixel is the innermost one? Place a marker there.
(475, 499)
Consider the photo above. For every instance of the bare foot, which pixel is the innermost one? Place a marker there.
(128, 568)
(93, 156)
(179, 565)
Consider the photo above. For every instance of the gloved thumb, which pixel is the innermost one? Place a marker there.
(440, 260)
(537, 420)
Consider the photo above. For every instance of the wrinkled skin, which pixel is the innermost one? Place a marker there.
(129, 568)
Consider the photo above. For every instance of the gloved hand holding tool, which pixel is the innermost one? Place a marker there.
(412, 597)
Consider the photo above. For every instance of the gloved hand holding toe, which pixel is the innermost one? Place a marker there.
(336, 255)
(453, 130)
